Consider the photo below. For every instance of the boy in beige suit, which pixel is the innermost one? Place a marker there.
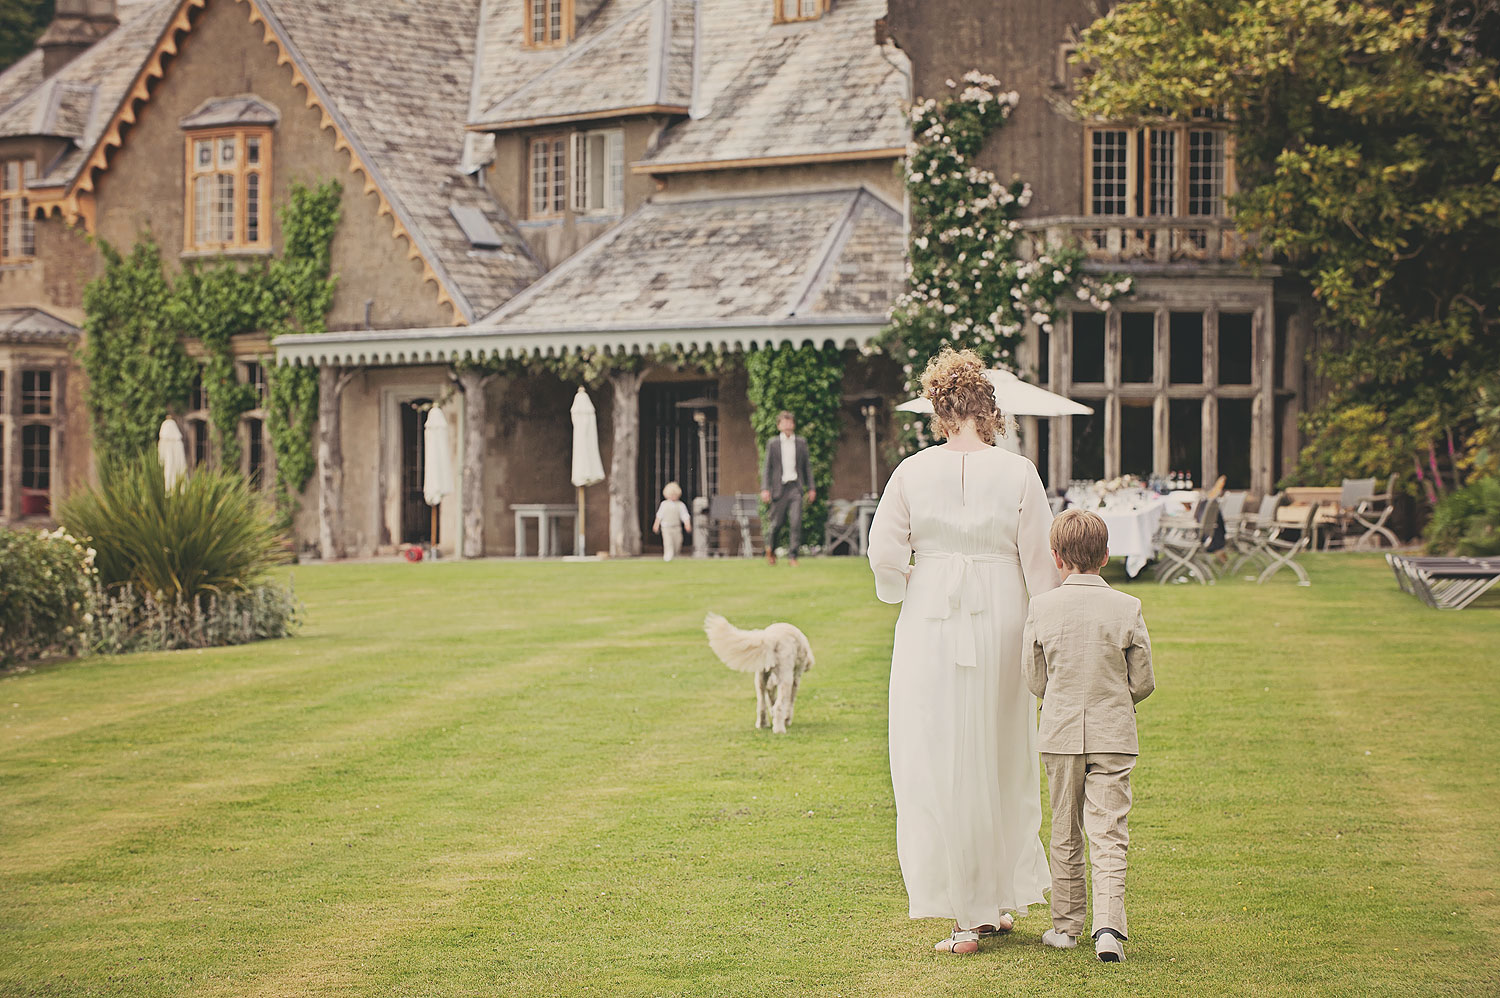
(1087, 655)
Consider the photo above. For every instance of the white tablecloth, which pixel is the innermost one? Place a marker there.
(1132, 533)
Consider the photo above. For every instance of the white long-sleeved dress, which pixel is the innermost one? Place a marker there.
(963, 735)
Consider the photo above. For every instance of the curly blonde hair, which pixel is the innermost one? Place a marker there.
(955, 384)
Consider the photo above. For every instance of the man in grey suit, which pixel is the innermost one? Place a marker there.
(783, 483)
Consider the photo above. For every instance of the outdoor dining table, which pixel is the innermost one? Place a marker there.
(548, 517)
(1132, 532)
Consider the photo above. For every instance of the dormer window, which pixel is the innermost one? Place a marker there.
(17, 230)
(228, 175)
(799, 10)
(548, 22)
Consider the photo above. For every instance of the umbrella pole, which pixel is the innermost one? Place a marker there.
(578, 544)
(434, 526)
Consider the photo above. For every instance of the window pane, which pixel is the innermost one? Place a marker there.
(1163, 173)
(252, 151)
(1205, 172)
(538, 21)
(1187, 348)
(1235, 363)
(1043, 357)
(1108, 167)
(1043, 450)
(540, 171)
(598, 165)
(255, 452)
(203, 155)
(1088, 346)
(1137, 348)
(13, 175)
(27, 228)
(554, 32)
(203, 210)
(226, 152)
(1185, 437)
(198, 400)
(559, 175)
(255, 377)
(224, 208)
(36, 393)
(7, 229)
(1088, 442)
(1136, 436)
(810, 8)
(252, 208)
(198, 434)
(36, 457)
(1234, 442)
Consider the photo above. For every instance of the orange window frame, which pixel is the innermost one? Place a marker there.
(1139, 179)
(546, 40)
(242, 172)
(780, 16)
(23, 170)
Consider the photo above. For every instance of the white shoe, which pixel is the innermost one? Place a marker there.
(1107, 947)
(1058, 940)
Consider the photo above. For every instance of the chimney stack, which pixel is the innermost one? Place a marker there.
(76, 26)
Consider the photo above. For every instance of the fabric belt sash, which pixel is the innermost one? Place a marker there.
(960, 600)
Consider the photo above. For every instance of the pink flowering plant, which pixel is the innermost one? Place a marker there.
(968, 284)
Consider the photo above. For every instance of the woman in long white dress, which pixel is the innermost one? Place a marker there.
(963, 736)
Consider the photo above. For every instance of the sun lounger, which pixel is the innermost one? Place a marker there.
(1445, 583)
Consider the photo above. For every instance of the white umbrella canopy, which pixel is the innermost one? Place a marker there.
(1016, 398)
(437, 466)
(172, 452)
(588, 466)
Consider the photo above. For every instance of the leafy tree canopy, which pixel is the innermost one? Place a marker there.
(21, 24)
(1368, 151)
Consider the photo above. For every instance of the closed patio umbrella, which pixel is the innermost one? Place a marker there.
(437, 464)
(172, 452)
(588, 466)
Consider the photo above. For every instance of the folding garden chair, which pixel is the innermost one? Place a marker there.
(842, 527)
(1446, 583)
(1283, 551)
(1371, 514)
(1184, 550)
(1255, 532)
(1352, 492)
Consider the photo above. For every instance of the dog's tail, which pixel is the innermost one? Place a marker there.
(742, 651)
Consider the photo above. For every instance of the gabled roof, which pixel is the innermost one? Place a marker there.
(392, 77)
(767, 259)
(20, 79)
(642, 60)
(33, 325)
(815, 89)
(77, 102)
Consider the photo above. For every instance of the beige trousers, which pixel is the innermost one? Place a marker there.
(671, 541)
(1090, 793)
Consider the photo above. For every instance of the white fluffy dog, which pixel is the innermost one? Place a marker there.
(777, 655)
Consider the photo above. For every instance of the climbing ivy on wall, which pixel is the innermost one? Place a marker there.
(303, 282)
(137, 322)
(135, 362)
(807, 381)
(969, 285)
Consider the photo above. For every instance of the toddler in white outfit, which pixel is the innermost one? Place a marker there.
(671, 520)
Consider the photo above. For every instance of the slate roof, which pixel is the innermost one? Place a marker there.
(398, 74)
(220, 111)
(645, 58)
(761, 259)
(32, 325)
(395, 75)
(79, 100)
(809, 88)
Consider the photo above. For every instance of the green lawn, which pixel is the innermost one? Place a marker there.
(533, 779)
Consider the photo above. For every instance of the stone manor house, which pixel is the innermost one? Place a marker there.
(528, 176)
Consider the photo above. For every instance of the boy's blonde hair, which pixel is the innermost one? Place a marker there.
(1081, 539)
(673, 491)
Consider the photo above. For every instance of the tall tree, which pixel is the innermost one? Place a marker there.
(21, 24)
(1368, 153)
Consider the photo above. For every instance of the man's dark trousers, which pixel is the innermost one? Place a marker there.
(787, 508)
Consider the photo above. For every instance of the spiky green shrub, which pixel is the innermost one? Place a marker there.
(208, 535)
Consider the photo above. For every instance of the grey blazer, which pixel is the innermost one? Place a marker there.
(770, 476)
(1086, 653)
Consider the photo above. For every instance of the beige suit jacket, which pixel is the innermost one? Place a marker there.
(1086, 653)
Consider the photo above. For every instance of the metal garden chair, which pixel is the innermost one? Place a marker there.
(1184, 550)
(1372, 514)
(1255, 533)
(1283, 551)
